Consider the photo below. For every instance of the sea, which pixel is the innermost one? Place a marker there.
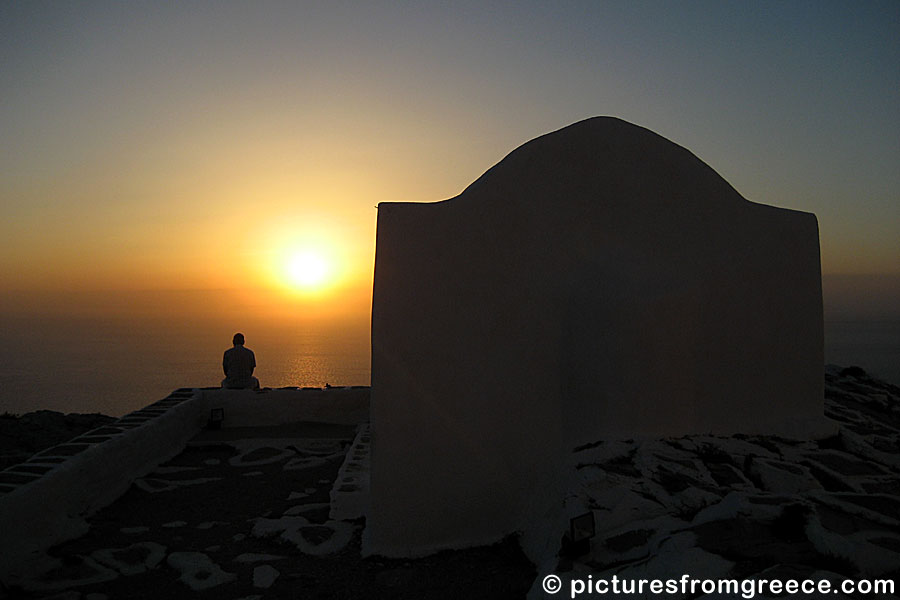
(117, 365)
(873, 344)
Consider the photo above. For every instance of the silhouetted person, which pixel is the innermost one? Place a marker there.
(239, 363)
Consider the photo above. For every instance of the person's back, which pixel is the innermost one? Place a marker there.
(238, 364)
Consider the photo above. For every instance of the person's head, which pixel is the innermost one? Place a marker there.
(238, 339)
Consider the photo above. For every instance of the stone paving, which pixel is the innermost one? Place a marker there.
(247, 513)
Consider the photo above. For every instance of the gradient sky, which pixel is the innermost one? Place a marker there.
(191, 145)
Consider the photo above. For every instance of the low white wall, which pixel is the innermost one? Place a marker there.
(53, 507)
(350, 492)
(249, 408)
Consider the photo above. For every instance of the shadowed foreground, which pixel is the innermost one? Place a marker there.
(245, 513)
(760, 507)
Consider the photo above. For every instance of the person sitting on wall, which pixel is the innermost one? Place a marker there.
(239, 363)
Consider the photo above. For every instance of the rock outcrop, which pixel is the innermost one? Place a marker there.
(22, 436)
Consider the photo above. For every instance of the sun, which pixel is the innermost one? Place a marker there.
(303, 262)
(307, 270)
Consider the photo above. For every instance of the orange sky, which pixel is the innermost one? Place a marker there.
(196, 147)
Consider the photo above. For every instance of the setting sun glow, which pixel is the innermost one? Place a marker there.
(307, 270)
(309, 265)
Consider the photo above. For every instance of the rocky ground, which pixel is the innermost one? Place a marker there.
(251, 518)
(753, 506)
